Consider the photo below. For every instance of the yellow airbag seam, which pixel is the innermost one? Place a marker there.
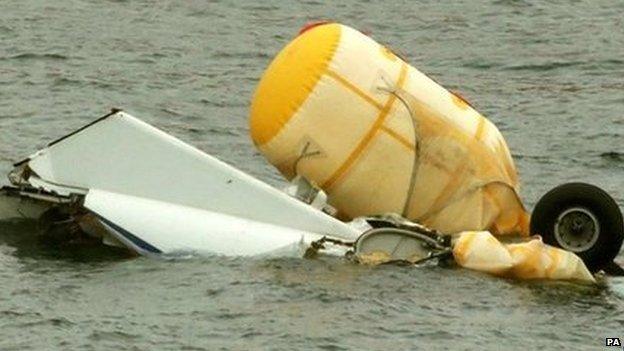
(398, 137)
(381, 117)
(352, 87)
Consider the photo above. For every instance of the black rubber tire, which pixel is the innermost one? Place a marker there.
(599, 203)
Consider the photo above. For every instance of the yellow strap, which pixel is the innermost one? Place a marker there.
(366, 97)
(365, 141)
(410, 146)
(350, 86)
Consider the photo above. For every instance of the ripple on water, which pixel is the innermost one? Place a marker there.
(613, 156)
(30, 56)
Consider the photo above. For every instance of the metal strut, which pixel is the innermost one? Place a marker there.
(319, 245)
(393, 240)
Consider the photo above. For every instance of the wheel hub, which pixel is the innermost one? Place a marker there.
(577, 229)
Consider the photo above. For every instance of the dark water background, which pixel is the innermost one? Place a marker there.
(549, 74)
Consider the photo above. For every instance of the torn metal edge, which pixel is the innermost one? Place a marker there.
(35, 194)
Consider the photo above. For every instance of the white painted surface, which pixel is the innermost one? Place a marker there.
(175, 229)
(123, 155)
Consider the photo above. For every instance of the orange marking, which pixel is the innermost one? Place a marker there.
(508, 165)
(459, 251)
(524, 223)
(555, 257)
(432, 123)
(459, 101)
(490, 195)
(369, 135)
(449, 189)
(353, 88)
(342, 80)
(435, 162)
(480, 128)
(387, 53)
(398, 137)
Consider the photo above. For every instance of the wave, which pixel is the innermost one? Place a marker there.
(34, 56)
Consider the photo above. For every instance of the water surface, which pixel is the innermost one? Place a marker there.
(549, 74)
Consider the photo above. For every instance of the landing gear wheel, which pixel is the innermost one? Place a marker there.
(581, 218)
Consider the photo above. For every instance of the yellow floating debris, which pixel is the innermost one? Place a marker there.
(374, 258)
(481, 251)
(379, 136)
(536, 260)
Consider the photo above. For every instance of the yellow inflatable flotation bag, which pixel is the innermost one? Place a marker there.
(379, 136)
(533, 259)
